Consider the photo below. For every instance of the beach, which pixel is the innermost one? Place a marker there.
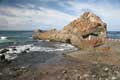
(82, 50)
(54, 60)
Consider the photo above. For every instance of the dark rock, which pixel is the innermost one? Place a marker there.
(2, 57)
(64, 71)
(14, 49)
(28, 49)
(24, 51)
(4, 50)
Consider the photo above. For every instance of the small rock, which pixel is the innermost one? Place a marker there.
(86, 75)
(23, 67)
(58, 77)
(106, 79)
(77, 77)
(64, 71)
(93, 76)
(66, 77)
(28, 49)
(75, 70)
(114, 78)
(14, 49)
(1, 74)
(116, 72)
(24, 51)
(103, 75)
(2, 57)
(106, 69)
(4, 50)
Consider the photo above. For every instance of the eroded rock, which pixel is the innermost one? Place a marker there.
(84, 32)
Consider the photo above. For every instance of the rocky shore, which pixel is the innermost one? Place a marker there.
(97, 58)
(84, 32)
(72, 69)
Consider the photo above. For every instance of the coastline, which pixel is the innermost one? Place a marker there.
(95, 58)
(72, 68)
(78, 65)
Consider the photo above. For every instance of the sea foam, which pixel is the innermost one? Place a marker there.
(3, 38)
(13, 51)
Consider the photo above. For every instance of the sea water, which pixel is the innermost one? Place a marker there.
(38, 50)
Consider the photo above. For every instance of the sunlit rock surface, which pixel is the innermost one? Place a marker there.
(86, 31)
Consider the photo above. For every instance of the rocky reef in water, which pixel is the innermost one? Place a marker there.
(87, 31)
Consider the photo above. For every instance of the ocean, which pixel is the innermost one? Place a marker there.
(24, 50)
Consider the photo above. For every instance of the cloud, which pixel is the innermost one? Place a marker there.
(45, 14)
(27, 18)
(106, 10)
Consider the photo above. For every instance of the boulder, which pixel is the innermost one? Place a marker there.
(2, 57)
(86, 31)
(87, 25)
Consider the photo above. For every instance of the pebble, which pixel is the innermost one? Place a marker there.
(106, 69)
(1, 74)
(116, 72)
(75, 70)
(66, 77)
(2, 57)
(114, 78)
(93, 76)
(86, 75)
(106, 79)
(58, 77)
(64, 71)
(23, 67)
(77, 77)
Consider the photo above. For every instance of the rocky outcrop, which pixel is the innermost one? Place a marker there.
(84, 32)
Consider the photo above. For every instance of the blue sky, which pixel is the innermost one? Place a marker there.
(48, 14)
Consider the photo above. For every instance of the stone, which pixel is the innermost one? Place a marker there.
(77, 76)
(2, 57)
(84, 32)
(64, 71)
(114, 78)
(14, 49)
(4, 50)
(93, 76)
(86, 75)
(1, 74)
(25, 51)
(106, 69)
(87, 24)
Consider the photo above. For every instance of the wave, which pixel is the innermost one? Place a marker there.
(3, 38)
(13, 51)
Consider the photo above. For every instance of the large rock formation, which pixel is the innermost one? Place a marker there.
(87, 31)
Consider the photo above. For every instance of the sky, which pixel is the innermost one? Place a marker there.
(48, 14)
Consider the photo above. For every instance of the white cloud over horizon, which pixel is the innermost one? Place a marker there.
(43, 17)
(30, 16)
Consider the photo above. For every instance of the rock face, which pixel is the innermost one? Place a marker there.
(84, 32)
(87, 24)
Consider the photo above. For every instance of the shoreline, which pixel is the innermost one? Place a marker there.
(79, 65)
